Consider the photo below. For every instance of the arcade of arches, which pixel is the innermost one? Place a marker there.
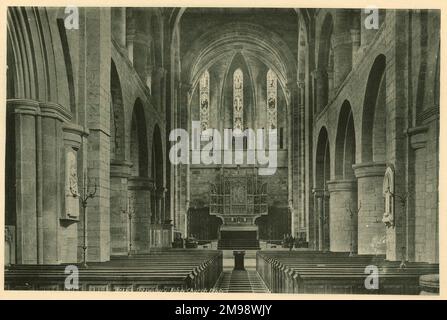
(356, 112)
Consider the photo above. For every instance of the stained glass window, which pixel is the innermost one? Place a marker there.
(238, 100)
(272, 84)
(204, 100)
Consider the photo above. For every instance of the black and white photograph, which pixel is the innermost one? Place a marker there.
(222, 150)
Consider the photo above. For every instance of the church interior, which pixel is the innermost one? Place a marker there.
(94, 94)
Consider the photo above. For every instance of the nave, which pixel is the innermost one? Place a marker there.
(95, 115)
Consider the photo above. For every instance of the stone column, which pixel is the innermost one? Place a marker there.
(343, 227)
(119, 206)
(52, 155)
(97, 167)
(371, 230)
(22, 121)
(139, 193)
(69, 222)
(319, 219)
(420, 227)
(38, 178)
(300, 144)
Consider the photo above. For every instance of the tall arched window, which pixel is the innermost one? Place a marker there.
(204, 100)
(272, 85)
(238, 100)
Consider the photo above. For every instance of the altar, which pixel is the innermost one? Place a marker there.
(238, 199)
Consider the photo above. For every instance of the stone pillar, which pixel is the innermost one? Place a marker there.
(421, 227)
(319, 218)
(22, 120)
(38, 178)
(343, 226)
(98, 102)
(293, 152)
(119, 206)
(371, 230)
(140, 195)
(68, 235)
(300, 144)
(182, 172)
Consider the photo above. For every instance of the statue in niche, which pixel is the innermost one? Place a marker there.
(388, 193)
(72, 194)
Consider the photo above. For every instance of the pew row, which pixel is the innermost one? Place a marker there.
(176, 270)
(338, 273)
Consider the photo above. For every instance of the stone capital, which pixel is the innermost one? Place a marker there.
(342, 185)
(369, 169)
(36, 108)
(73, 134)
(320, 193)
(140, 183)
(418, 137)
(120, 168)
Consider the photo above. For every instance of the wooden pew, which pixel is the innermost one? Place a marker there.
(160, 271)
(316, 272)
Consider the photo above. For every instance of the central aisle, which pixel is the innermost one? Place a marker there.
(241, 281)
